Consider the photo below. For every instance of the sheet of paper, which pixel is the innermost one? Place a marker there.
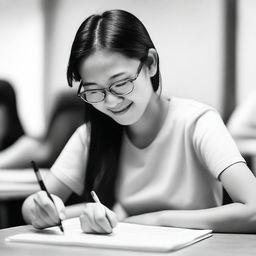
(124, 236)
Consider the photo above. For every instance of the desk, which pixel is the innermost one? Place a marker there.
(11, 201)
(15, 186)
(217, 245)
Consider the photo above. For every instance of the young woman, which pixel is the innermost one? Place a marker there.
(151, 159)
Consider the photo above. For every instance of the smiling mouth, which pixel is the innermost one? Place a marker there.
(121, 111)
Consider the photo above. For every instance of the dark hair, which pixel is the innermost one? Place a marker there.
(14, 127)
(117, 31)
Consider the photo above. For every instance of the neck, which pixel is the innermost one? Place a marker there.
(143, 132)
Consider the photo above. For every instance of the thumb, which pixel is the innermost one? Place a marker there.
(61, 210)
(112, 218)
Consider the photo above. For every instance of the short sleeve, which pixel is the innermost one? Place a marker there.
(214, 144)
(70, 165)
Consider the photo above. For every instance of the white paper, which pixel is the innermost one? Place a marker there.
(124, 236)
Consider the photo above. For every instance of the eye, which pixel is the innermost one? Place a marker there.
(120, 84)
(92, 92)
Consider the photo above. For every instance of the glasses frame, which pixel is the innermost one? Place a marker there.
(108, 89)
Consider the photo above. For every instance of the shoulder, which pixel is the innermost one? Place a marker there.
(189, 110)
(189, 104)
(82, 133)
(82, 129)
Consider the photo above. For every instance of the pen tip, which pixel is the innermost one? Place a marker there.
(61, 228)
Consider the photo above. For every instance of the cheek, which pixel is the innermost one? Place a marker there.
(142, 94)
(99, 107)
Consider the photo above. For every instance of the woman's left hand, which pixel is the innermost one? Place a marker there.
(97, 218)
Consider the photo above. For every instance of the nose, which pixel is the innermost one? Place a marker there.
(112, 100)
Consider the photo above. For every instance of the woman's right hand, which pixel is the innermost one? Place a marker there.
(43, 211)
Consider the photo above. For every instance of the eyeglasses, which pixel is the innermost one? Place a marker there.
(119, 88)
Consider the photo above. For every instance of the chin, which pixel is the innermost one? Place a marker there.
(127, 119)
(124, 121)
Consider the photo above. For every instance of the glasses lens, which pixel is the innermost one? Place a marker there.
(122, 88)
(93, 96)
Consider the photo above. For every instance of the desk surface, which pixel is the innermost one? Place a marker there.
(217, 245)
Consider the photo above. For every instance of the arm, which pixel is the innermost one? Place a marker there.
(37, 208)
(239, 216)
(21, 152)
(43, 151)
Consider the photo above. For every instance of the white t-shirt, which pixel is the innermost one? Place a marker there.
(178, 170)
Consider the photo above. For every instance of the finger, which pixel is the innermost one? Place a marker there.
(40, 219)
(86, 226)
(85, 219)
(47, 205)
(101, 219)
(90, 225)
(89, 214)
(61, 210)
(39, 222)
(36, 222)
(112, 217)
(42, 213)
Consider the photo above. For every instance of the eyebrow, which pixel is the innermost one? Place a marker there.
(111, 78)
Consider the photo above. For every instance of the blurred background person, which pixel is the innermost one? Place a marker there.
(242, 126)
(10, 126)
(18, 148)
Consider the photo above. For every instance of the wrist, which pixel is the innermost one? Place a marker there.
(161, 218)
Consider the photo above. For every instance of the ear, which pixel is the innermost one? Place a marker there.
(152, 61)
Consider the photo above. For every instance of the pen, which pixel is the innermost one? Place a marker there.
(95, 197)
(43, 188)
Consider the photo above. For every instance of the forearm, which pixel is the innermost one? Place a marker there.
(236, 217)
(233, 218)
(74, 210)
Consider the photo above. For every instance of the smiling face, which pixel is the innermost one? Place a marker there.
(103, 69)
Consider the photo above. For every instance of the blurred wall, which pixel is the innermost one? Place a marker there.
(246, 49)
(188, 35)
(21, 58)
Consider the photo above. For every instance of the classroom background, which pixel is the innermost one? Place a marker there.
(206, 47)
